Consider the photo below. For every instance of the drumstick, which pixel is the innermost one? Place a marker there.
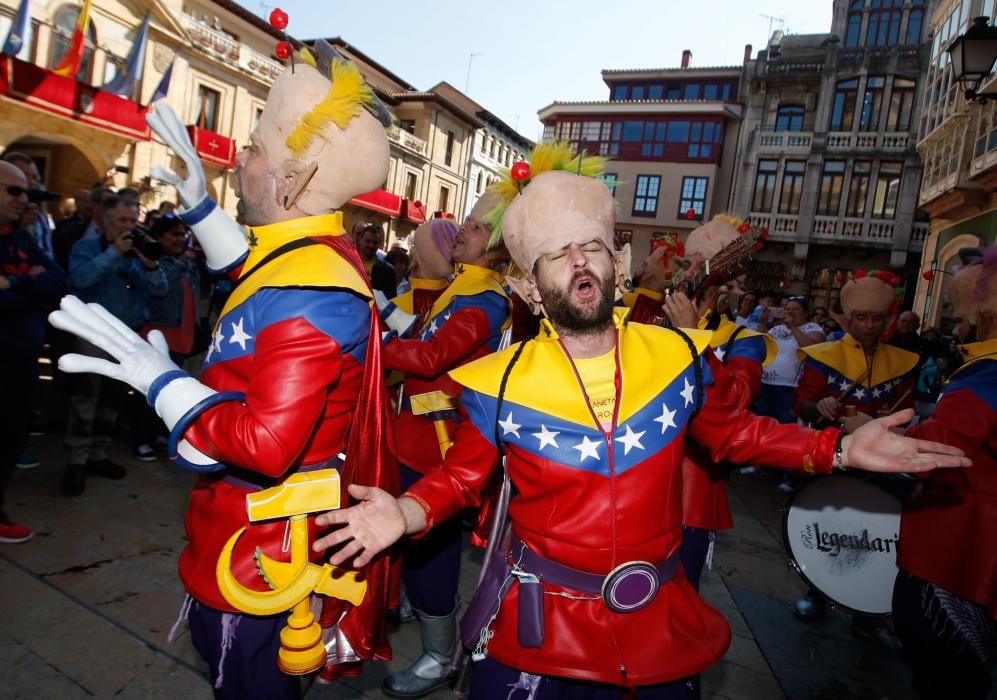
(893, 408)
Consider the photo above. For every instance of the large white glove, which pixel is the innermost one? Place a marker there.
(222, 239)
(140, 364)
(165, 122)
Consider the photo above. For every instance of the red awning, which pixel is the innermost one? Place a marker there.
(213, 148)
(414, 211)
(69, 98)
(381, 201)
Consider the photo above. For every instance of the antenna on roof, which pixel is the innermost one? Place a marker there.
(771, 19)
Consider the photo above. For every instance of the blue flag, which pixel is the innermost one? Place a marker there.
(124, 82)
(164, 83)
(18, 35)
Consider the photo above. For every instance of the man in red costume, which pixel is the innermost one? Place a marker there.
(587, 595)
(945, 597)
(290, 381)
(743, 352)
(465, 323)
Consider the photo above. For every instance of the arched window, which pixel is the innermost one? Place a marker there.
(64, 24)
(789, 118)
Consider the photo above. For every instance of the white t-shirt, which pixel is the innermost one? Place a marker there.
(784, 370)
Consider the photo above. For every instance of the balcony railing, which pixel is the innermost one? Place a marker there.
(876, 233)
(230, 50)
(918, 235)
(795, 142)
(781, 227)
(889, 141)
(408, 141)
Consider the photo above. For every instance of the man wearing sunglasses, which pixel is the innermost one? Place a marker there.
(29, 283)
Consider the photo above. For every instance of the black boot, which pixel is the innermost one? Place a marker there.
(74, 480)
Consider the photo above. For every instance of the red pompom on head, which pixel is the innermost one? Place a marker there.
(759, 245)
(278, 19)
(690, 213)
(744, 228)
(763, 235)
(283, 50)
(520, 171)
(928, 275)
(840, 278)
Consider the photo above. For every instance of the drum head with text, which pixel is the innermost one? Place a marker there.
(841, 532)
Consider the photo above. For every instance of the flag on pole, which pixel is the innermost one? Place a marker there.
(164, 83)
(124, 82)
(17, 38)
(69, 66)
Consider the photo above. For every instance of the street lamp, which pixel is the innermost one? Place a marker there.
(973, 55)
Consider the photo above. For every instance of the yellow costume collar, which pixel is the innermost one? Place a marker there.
(428, 283)
(621, 316)
(975, 352)
(847, 358)
(470, 280)
(266, 238)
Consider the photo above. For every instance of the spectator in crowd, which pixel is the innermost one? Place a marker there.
(780, 377)
(35, 218)
(86, 223)
(114, 272)
(745, 306)
(175, 315)
(766, 299)
(831, 329)
(30, 284)
(819, 315)
(906, 336)
(380, 272)
(398, 258)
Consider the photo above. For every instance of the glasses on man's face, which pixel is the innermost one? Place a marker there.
(16, 190)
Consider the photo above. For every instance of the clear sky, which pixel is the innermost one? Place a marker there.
(531, 53)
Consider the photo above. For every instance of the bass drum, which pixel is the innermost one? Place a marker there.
(841, 532)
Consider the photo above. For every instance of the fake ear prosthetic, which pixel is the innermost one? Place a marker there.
(526, 291)
(295, 178)
(624, 258)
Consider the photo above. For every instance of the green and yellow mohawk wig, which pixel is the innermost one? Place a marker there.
(347, 97)
(554, 155)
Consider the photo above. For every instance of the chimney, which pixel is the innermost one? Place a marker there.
(747, 52)
(686, 57)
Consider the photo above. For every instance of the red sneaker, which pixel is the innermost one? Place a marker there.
(12, 533)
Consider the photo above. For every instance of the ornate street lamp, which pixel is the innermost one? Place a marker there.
(973, 55)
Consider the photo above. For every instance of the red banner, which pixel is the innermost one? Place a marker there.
(213, 148)
(69, 98)
(381, 201)
(413, 211)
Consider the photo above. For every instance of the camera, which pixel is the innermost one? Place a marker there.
(149, 247)
(37, 195)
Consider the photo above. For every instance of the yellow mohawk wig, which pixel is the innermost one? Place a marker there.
(346, 98)
(555, 155)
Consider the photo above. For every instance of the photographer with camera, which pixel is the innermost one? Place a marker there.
(120, 271)
(35, 218)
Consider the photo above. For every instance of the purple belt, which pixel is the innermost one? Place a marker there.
(253, 481)
(627, 588)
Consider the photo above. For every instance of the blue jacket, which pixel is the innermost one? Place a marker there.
(25, 305)
(168, 310)
(99, 273)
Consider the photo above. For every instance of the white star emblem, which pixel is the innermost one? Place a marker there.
(876, 393)
(720, 352)
(843, 384)
(508, 426)
(687, 391)
(546, 437)
(447, 317)
(588, 448)
(216, 343)
(239, 335)
(632, 440)
(860, 393)
(432, 327)
(667, 418)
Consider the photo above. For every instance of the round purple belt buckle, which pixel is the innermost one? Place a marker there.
(631, 586)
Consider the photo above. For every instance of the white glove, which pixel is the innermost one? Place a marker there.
(139, 365)
(222, 239)
(165, 122)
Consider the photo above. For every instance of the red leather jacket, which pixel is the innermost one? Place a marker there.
(464, 323)
(948, 533)
(593, 500)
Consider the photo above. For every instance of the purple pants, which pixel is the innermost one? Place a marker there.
(491, 680)
(248, 666)
(431, 565)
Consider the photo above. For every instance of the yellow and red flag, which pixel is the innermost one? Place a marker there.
(70, 63)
